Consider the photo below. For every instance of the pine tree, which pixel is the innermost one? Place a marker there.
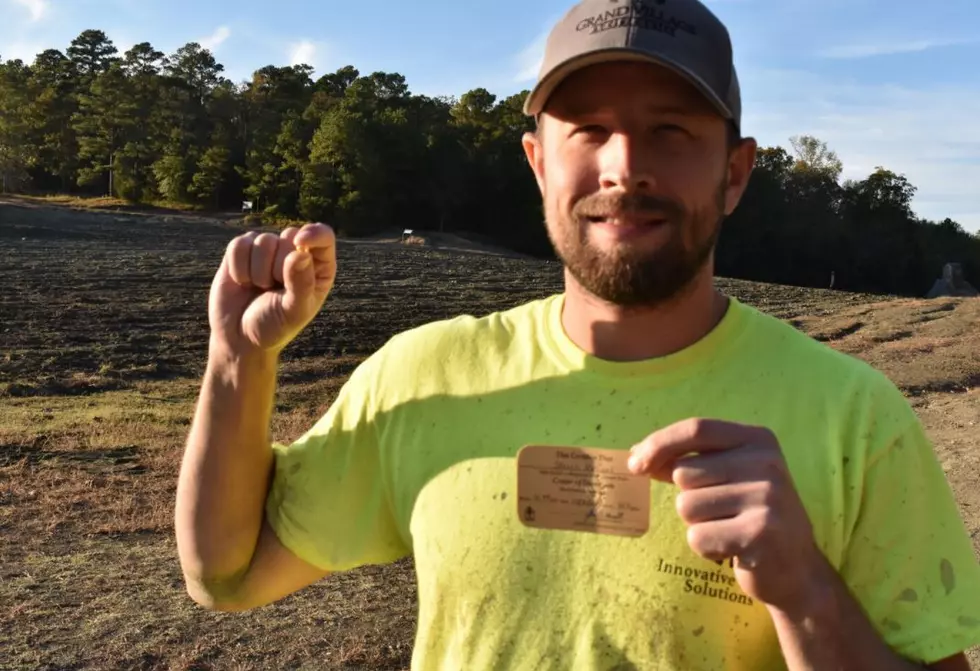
(106, 125)
(17, 153)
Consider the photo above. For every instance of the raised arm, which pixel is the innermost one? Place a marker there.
(267, 289)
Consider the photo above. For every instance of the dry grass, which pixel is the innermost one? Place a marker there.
(102, 468)
(88, 487)
(921, 345)
(118, 603)
(103, 353)
(108, 203)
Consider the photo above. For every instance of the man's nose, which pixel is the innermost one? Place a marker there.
(625, 165)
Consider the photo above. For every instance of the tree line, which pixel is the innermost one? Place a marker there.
(366, 154)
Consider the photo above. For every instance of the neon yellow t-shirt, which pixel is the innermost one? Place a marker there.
(417, 457)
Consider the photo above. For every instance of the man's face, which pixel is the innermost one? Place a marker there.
(636, 175)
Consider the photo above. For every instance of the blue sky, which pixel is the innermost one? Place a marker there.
(885, 82)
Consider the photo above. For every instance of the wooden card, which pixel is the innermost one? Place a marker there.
(581, 489)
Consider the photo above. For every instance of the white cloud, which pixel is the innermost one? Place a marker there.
(37, 8)
(927, 134)
(25, 51)
(528, 61)
(304, 52)
(890, 48)
(216, 39)
(123, 41)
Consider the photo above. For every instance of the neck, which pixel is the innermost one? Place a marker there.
(615, 333)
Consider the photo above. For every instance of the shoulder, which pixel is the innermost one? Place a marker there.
(823, 374)
(466, 334)
(452, 350)
(784, 344)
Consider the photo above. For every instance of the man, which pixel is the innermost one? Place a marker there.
(805, 469)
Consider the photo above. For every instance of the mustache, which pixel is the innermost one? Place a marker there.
(638, 204)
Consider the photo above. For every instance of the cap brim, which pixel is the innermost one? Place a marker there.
(541, 93)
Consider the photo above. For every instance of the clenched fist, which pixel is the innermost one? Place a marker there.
(269, 287)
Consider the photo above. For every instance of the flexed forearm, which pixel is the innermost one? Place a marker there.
(266, 291)
(225, 473)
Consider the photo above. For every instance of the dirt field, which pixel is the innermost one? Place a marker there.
(102, 338)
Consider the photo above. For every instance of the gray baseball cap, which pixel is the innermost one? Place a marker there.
(682, 35)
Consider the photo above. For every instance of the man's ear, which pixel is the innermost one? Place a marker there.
(741, 162)
(534, 150)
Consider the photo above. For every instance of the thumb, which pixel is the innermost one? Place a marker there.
(299, 277)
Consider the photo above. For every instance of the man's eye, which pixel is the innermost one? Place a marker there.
(591, 129)
(669, 128)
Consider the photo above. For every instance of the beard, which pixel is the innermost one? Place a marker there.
(631, 276)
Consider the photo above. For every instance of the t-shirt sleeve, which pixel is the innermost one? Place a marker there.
(910, 561)
(329, 499)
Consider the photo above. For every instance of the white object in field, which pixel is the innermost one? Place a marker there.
(407, 233)
(953, 284)
(247, 205)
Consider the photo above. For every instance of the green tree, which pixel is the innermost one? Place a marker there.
(196, 68)
(92, 53)
(16, 151)
(190, 79)
(813, 155)
(211, 171)
(754, 240)
(53, 103)
(882, 192)
(355, 158)
(227, 141)
(365, 153)
(886, 244)
(143, 61)
(174, 171)
(106, 124)
(279, 135)
(135, 160)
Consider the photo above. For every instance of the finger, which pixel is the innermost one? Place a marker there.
(718, 468)
(322, 254)
(263, 258)
(717, 540)
(286, 240)
(719, 503)
(240, 259)
(300, 281)
(325, 267)
(314, 236)
(657, 455)
(701, 471)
